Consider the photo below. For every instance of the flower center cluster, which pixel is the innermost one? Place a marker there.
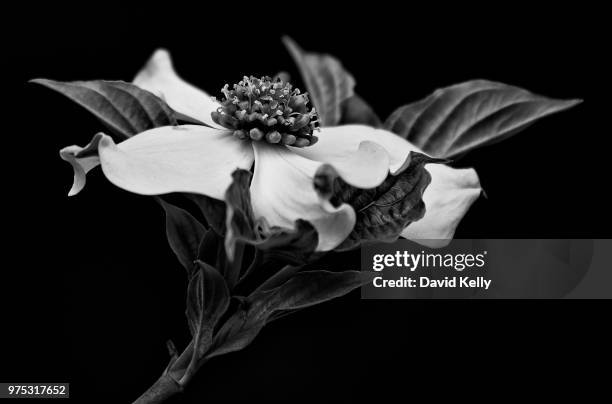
(267, 110)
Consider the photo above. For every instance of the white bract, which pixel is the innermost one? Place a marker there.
(200, 159)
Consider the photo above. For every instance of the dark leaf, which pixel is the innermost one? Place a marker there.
(258, 272)
(212, 209)
(383, 212)
(326, 80)
(306, 289)
(208, 249)
(236, 333)
(184, 233)
(465, 116)
(212, 252)
(280, 277)
(124, 108)
(277, 315)
(356, 111)
(207, 300)
(290, 245)
(303, 290)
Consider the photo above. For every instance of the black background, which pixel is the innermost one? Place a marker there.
(92, 292)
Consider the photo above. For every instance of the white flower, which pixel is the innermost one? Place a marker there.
(201, 159)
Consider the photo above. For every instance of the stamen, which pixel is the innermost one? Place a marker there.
(272, 111)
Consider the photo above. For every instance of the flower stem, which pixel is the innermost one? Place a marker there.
(164, 388)
(167, 385)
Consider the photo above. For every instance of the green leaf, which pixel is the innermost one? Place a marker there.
(293, 246)
(459, 118)
(124, 108)
(385, 211)
(326, 80)
(303, 290)
(184, 232)
(207, 300)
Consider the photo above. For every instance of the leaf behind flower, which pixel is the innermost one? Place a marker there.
(460, 118)
(356, 111)
(327, 81)
(124, 108)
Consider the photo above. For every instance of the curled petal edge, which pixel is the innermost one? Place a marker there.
(82, 160)
(448, 198)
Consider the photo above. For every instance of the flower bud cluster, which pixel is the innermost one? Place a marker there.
(267, 110)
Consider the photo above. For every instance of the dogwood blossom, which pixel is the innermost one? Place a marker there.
(201, 158)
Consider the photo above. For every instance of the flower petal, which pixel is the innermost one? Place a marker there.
(287, 187)
(82, 160)
(186, 158)
(385, 211)
(447, 199)
(366, 166)
(294, 246)
(158, 76)
(336, 142)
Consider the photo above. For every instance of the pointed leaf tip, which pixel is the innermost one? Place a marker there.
(124, 108)
(184, 233)
(456, 119)
(207, 300)
(302, 290)
(327, 81)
